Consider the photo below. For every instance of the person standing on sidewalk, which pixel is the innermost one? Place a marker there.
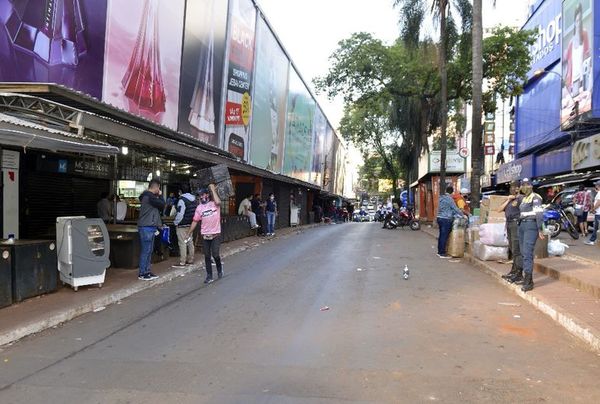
(271, 209)
(257, 207)
(447, 211)
(208, 213)
(152, 204)
(531, 222)
(596, 210)
(186, 208)
(512, 213)
(582, 201)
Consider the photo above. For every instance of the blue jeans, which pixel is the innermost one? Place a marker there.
(528, 236)
(147, 246)
(445, 226)
(595, 231)
(270, 222)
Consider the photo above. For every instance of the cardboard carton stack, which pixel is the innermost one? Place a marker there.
(218, 175)
(489, 209)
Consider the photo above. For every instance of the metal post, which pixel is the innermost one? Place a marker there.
(115, 188)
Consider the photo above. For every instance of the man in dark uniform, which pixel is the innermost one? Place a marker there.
(512, 212)
(531, 221)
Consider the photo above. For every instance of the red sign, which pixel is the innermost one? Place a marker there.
(233, 114)
(490, 150)
(463, 152)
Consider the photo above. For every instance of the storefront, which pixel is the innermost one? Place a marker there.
(516, 170)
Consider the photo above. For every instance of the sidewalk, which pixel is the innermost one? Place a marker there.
(567, 288)
(43, 312)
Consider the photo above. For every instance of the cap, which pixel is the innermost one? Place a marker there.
(202, 191)
(526, 181)
(464, 191)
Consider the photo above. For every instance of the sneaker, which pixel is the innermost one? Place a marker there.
(153, 276)
(444, 256)
(145, 277)
(590, 243)
(220, 274)
(208, 281)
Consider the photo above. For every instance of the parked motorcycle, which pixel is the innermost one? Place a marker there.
(556, 219)
(405, 217)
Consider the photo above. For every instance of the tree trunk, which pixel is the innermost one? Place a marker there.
(477, 127)
(443, 4)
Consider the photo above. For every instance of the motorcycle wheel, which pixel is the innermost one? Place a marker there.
(553, 227)
(415, 225)
(572, 230)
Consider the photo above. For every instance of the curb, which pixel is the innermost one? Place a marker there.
(70, 314)
(573, 325)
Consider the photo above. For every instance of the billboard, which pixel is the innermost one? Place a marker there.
(202, 64)
(143, 58)
(53, 42)
(340, 169)
(577, 60)
(269, 101)
(547, 24)
(238, 107)
(298, 129)
(318, 146)
(328, 159)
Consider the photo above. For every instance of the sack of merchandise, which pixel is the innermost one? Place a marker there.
(490, 253)
(493, 234)
(456, 243)
(556, 248)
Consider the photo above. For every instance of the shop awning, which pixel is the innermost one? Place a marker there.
(27, 135)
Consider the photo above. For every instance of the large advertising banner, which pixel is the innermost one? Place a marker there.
(143, 58)
(53, 42)
(318, 146)
(270, 99)
(298, 129)
(202, 70)
(238, 107)
(340, 170)
(328, 159)
(577, 61)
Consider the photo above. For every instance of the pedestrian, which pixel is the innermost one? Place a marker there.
(104, 207)
(208, 213)
(245, 209)
(582, 201)
(152, 204)
(171, 202)
(531, 222)
(511, 210)
(596, 210)
(186, 208)
(121, 209)
(271, 209)
(258, 209)
(461, 200)
(447, 211)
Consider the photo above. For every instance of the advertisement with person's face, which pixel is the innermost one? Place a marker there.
(577, 68)
(41, 41)
(238, 107)
(298, 130)
(202, 70)
(143, 58)
(270, 97)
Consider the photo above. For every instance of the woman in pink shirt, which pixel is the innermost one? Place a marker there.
(208, 213)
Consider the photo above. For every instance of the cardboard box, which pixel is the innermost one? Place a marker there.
(496, 202)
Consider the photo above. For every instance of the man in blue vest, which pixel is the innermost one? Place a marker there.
(531, 222)
(186, 206)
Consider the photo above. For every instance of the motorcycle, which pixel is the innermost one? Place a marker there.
(404, 218)
(556, 219)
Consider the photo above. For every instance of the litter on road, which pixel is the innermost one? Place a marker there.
(324, 308)
(516, 316)
(98, 309)
(509, 304)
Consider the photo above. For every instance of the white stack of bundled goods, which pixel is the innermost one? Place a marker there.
(492, 244)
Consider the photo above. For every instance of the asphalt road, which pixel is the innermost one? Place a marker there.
(259, 335)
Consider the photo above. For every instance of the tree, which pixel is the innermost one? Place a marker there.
(476, 126)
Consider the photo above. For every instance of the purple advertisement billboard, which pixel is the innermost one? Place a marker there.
(270, 98)
(143, 58)
(202, 69)
(238, 106)
(53, 42)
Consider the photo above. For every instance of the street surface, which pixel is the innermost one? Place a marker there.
(449, 334)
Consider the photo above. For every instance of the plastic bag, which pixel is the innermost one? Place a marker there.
(456, 243)
(493, 234)
(165, 235)
(490, 253)
(556, 248)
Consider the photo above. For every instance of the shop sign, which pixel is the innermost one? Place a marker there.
(95, 169)
(547, 23)
(10, 159)
(586, 153)
(454, 162)
(486, 181)
(515, 170)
